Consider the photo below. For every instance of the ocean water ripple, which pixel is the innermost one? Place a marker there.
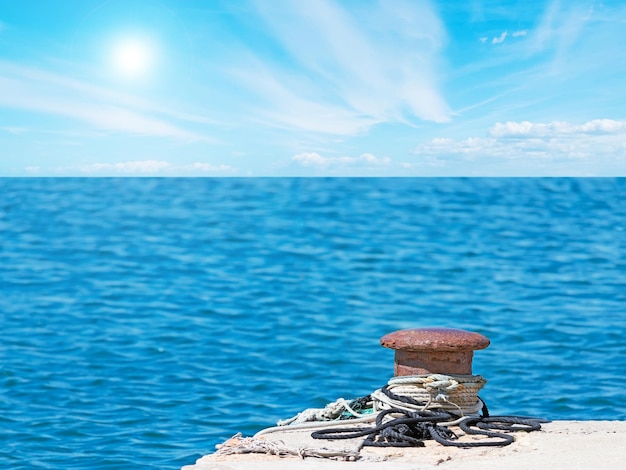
(146, 320)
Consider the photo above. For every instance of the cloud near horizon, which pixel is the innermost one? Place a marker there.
(315, 160)
(556, 128)
(557, 140)
(145, 167)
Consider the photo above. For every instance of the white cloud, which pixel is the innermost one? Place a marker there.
(41, 91)
(500, 39)
(315, 160)
(150, 167)
(136, 167)
(524, 128)
(556, 128)
(211, 168)
(597, 139)
(33, 169)
(603, 126)
(347, 70)
(311, 159)
(424, 162)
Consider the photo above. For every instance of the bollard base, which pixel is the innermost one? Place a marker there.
(441, 362)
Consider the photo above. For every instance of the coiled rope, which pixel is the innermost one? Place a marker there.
(410, 429)
(410, 409)
(456, 394)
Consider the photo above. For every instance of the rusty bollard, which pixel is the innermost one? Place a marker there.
(433, 350)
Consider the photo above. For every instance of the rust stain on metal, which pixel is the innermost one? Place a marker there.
(434, 350)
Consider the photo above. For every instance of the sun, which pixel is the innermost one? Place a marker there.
(132, 58)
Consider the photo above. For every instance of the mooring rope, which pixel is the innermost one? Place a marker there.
(410, 409)
(456, 394)
(250, 445)
(410, 429)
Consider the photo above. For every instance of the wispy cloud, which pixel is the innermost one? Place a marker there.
(286, 106)
(566, 65)
(45, 92)
(16, 130)
(580, 40)
(561, 27)
(343, 72)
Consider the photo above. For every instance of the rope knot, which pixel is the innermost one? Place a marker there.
(439, 385)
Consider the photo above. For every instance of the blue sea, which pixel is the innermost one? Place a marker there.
(143, 321)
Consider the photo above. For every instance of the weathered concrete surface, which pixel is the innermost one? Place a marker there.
(560, 445)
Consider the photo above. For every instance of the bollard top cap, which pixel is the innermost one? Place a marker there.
(434, 339)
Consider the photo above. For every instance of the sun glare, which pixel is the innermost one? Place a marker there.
(132, 58)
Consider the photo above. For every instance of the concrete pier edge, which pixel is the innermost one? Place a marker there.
(559, 445)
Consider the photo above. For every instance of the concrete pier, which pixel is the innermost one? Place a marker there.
(559, 445)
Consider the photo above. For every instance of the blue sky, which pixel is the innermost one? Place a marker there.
(322, 87)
